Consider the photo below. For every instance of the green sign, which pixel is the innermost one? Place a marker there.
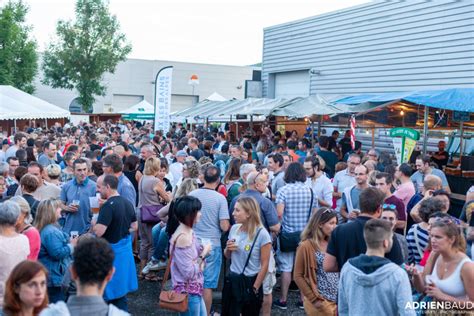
(405, 132)
(136, 116)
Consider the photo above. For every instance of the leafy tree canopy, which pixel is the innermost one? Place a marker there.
(18, 58)
(85, 49)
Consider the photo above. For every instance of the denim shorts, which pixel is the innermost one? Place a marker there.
(285, 261)
(212, 270)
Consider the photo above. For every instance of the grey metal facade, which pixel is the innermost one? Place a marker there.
(383, 46)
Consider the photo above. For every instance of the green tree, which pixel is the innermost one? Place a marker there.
(84, 50)
(18, 58)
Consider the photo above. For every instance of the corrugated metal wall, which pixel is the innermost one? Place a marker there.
(384, 46)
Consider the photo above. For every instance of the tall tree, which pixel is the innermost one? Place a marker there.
(84, 50)
(18, 58)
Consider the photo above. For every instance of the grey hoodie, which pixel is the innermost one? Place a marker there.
(373, 286)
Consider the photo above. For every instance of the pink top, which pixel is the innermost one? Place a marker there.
(35, 242)
(405, 192)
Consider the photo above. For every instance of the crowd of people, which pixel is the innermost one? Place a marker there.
(89, 210)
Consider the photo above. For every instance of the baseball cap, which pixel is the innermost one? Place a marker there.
(181, 153)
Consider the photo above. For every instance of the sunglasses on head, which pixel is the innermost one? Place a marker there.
(328, 210)
(444, 220)
(389, 206)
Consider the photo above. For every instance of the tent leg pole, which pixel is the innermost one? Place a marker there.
(461, 141)
(251, 123)
(46, 122)
(425, 129)
(373, 137)
(320, 122)
(237, 129)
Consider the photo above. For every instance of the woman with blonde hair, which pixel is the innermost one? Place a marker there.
(249, 248)
(449, 273)
(318, 287)
(56, 246)
(152, 196)
(23, 226)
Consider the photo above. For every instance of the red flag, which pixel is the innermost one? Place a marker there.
(353, 130)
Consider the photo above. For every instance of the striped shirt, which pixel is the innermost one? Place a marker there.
(415, 250)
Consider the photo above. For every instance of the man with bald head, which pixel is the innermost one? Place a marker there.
(430, 184)
(146, 151)
(350, 196)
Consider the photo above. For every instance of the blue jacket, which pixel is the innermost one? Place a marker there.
(55, 253)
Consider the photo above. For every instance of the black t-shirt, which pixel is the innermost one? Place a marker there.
(347, 241)
(345, 144)
(94, 147)
(441, 162)
(331, 143)
(196, 153)
(117, 214)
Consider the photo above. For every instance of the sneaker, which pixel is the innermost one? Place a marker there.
(300, 305)
(279, 304)
(154, 265)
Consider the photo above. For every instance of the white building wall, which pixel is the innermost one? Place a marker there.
(133, 79)
(382, 46)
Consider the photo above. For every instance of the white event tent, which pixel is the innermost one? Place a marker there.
(140, 111)
(18, 105)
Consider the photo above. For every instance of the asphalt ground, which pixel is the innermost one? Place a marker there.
(144, 302)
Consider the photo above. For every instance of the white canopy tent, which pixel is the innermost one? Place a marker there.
(216, 97)
(18, 105)
(140, 111)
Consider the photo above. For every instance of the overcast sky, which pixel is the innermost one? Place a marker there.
(216, 32)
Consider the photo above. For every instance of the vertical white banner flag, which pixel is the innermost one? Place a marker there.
(163, 82)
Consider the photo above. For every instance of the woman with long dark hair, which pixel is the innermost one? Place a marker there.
(187, 256)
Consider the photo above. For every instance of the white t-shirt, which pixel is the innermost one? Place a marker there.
(342, 180)
(176, 169)
(13, 250)
(322, 189)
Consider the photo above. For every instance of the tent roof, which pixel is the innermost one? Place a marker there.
(297, 107)
(143, 107)
(461, 99)
(16, 105)
(216, 97)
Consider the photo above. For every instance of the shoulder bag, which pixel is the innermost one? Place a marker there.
(170, 300)
(238, 288)
(149, 213)
(289, 241)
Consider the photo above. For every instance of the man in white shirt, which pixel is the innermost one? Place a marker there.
(317, 180)
(345, 178)
(176, 168)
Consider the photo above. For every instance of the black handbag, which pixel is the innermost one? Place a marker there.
(238, 289)
(290, 241)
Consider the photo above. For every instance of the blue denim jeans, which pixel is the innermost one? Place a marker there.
(196, 306)
(160, 242)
